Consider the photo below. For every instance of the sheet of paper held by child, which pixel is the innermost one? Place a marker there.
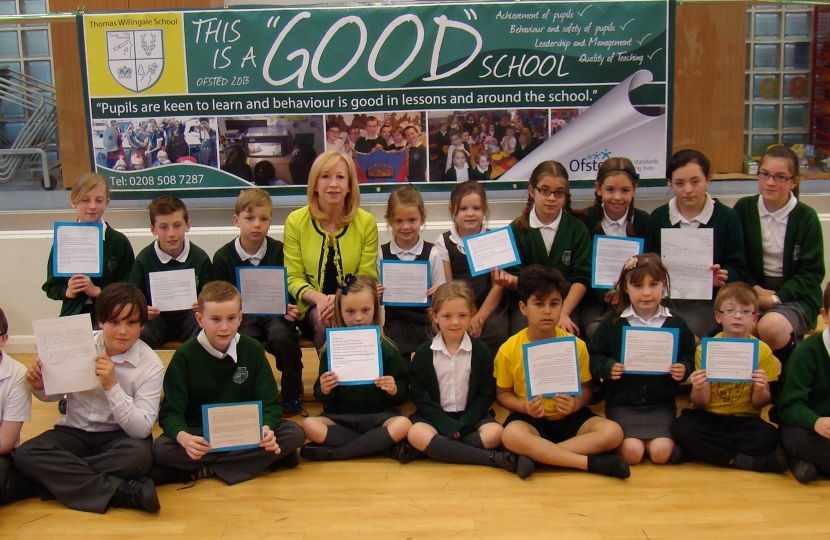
(612, 122)
(729, 359)
(610, 254)
(491, 249)
(264, 289)
(67, 350)
(688, 255)
(78, 249)
(232, 426)
(649, 350)
(552, 367)
(354, 354)
(173, 290)
(405, 282)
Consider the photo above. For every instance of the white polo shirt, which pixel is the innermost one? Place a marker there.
(15, 392)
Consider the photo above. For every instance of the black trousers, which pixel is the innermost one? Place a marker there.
(83, 469)
(718, 438)
(806, 444)
(281, 339)
(233, 466)
(170, 326)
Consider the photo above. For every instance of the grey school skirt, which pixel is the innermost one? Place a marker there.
(649, 422)
(792, 311)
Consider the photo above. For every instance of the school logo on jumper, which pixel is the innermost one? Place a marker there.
(240, 375)
(136, 57)
(796, 252)
(566, 257)
(112, 264)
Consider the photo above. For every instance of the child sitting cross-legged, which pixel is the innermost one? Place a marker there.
(560, 430)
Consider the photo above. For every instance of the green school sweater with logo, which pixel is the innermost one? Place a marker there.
(226, 260)
(118, 261)
(147, 261)
(195, 378)
(803, 254)
(806, 394)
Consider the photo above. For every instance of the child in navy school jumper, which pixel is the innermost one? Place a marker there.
(804, 404)
(549, 232)
(723, 426)
(559, 430)
(406, 326)
(253, 247)
(90, 198)
(171, 251)
(613, 214)
(784, 252)
(453, 387)
(642, 404)
(358, 420)
(468, 207)
(693, 207)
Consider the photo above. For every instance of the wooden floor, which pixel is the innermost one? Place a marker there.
(380, 498)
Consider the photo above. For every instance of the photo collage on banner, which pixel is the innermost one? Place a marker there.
(214, 100)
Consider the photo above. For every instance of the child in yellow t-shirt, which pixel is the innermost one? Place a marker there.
(724, 425)
(558, 430)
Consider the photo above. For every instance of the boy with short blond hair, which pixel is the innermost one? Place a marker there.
(220, 366)
(171, 251)
(99, 454)
(723, 426)
(90, 197)
(15, 408)
(253, 247)
(804, 405)
(560, 430)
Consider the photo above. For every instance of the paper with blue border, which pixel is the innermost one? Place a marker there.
(556, 362)
(504, 255)
(245, 437)
(273, 297)
(87, 264)
(414, 266)
(736, 350)
(354, 354)
(610, 258)
(656, 337)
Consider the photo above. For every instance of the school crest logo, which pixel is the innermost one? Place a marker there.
(136, 57)
(796, 252)
(240, 375)
(112, 264)
(730, 391)
(566, 257)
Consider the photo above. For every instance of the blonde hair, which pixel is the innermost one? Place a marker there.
(356, 284)
(451, 290)
(218, 291)
(248, 198)
(325, 162)
(404, 196)
(86, 183)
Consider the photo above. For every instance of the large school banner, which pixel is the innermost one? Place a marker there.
(208, 101)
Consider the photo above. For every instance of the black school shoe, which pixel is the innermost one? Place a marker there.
(136, 494)
(17, 487)
(804, 471)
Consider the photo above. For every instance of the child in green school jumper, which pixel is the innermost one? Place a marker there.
(358, 420)
(784, 251)
(693, 207)
(172, 251)
(253, 247)
(453, 387)
(90, 197)
(642, 404)
(547, 235)
(220, 366)
(804, 404)
(613, 214)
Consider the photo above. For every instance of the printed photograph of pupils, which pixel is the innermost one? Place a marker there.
(133, 144)
(270, 150)
(385, 146)
(482, 145)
